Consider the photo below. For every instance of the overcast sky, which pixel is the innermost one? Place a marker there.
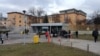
(51, 6)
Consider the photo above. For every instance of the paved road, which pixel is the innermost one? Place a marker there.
(81, 44)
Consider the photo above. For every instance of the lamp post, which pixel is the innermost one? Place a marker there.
(25, 24)
(51, 28)
(24, 18)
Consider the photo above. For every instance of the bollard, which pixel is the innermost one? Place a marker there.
(71, 44)
(59, 39)
(87, 47)
(36, 39)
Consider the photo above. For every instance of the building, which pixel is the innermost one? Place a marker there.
(71, 17)
(19, 19)
(3, 26)
(39, 27)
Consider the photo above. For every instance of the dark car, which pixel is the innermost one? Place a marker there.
(55, 33)
(64, 33)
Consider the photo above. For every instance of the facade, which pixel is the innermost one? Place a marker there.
(19, 19)
(3, 26)
(73, 17)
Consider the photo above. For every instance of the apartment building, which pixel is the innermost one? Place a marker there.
(19, 19)
(72, 17)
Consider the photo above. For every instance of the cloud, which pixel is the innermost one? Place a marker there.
(57, 5)
(51, 6)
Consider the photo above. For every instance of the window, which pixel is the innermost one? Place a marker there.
(13, 18)
(19, 16)
(19, 21)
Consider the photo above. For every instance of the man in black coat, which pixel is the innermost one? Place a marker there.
(1, 39)
(76, 33)
(95, 34)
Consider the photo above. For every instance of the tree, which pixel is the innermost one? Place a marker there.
(1, 16)
(38, 12)
(96, 18)
(45, 19)
(89, 21)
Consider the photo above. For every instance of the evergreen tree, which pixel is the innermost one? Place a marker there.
(45, 19)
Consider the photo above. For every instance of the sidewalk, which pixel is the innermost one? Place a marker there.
(81, 44)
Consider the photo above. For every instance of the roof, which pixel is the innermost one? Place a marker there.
(73, 9)
(15, 12)
(47, 24)
(19, 13)
(68, 10)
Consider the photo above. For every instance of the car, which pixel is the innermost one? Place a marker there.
(55, 33)
(64, 33)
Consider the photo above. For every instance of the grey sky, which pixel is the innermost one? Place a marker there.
(51, 6)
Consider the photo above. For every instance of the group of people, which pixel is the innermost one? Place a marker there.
(95, 34)
(1, 37)
(66, 34)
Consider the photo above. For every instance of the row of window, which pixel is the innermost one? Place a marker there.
(19, 16)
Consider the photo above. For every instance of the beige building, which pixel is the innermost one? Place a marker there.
(19, 19)
(72, 17)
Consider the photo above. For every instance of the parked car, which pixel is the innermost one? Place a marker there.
(64, 33)
(54, 33)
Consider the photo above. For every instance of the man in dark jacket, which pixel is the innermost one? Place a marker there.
(1, 39)
(95, 34)
(76, 33)
(7, 35)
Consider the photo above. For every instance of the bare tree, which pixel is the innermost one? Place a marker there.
(32, 11)
(38, 12)
(0, 16)
(96, 18)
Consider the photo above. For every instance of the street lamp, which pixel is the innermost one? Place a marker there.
(25, 24)
(24, 18)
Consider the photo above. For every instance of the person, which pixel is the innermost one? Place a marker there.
(95, 35)
(69, 34)
(39, 33)
(46, 34)
(76, 33)
(26, 31)
(7, 35)
(1, 39)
